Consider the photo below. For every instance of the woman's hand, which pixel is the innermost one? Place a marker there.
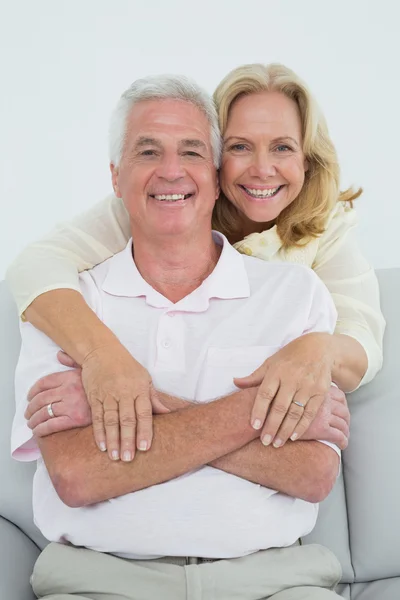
(293, 384)
(71, 409)
(118, 391)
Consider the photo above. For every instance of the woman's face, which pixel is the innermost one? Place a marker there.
(263, 164)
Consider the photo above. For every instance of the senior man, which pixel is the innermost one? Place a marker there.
(208, 512)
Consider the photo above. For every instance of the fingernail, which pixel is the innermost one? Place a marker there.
(127, 456)
(294, 437)
(277, 443)
(266, 440)
(257, 424)
(115, 455)
(102, 446)
(143, 445)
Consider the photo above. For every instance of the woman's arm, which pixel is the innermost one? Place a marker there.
(356, 346)
(45, 282)
(55, 261)
(349, 357)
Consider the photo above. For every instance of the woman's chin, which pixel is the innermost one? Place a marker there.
(261, 216)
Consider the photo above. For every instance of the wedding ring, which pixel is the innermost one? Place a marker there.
(298, 404)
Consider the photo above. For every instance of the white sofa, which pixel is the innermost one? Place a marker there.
(360, 521)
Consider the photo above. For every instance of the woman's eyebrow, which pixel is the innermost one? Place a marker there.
(285, 138)
(274, 140)
(236, 138)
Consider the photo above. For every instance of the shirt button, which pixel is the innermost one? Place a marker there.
(171, 314)
(166, 344)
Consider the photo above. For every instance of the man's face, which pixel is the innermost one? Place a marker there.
(166, 176)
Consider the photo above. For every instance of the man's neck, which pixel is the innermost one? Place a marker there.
(175, 266)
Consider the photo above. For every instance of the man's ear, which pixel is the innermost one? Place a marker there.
(114, 178)
(218, 187)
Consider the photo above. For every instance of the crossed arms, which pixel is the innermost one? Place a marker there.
(218, 434)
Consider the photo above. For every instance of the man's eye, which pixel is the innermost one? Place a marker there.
(192, 153)
(148, 152)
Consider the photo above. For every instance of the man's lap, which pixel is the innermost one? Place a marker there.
(294, 573)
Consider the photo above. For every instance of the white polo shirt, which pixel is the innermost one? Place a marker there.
(241, 314)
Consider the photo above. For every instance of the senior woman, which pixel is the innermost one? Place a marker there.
(280, 200)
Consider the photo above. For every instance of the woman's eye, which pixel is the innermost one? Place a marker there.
(282, 148)
(238, 147)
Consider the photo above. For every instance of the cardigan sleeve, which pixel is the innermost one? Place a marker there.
(353, 285)
(56, 260)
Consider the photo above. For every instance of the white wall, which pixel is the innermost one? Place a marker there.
(63, 65)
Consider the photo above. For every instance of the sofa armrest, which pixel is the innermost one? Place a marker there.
(18, 555)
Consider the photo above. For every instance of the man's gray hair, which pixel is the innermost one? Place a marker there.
(161, 87)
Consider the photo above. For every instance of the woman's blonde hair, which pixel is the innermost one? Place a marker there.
(306, 217)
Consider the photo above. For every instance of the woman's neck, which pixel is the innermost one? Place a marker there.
(247, 227)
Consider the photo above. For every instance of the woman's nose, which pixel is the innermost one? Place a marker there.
(262, 166)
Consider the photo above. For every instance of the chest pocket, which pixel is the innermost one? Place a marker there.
(221, 365)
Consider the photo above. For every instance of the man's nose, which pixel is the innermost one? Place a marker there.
(171, 168)
(263, 165)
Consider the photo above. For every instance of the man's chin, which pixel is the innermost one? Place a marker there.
(172, 231)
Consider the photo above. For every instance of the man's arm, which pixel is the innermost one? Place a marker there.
(306, 470)
(185, 440)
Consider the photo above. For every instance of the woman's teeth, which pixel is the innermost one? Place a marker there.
(262, 193)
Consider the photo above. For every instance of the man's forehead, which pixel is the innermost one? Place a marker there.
(153, 118)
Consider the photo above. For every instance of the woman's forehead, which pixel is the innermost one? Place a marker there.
(264, 111)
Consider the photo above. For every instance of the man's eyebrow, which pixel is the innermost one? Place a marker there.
(193, 143)
(147, 141)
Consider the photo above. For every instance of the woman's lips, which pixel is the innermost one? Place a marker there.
(261, 194)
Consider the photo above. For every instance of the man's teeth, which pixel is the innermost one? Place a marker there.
(262, 193)
(170, 197)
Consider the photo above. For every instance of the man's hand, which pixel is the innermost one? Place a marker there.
(64, 391)
(332, 421)
(67, 395)
(114, 386)
(163, 402)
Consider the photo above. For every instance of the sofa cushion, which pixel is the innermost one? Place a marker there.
(332, 529)
(372, 461)
(370, 467)
(16, 494)
(18, 555)
(386, 589)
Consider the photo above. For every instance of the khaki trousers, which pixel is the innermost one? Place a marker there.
(308, 572)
